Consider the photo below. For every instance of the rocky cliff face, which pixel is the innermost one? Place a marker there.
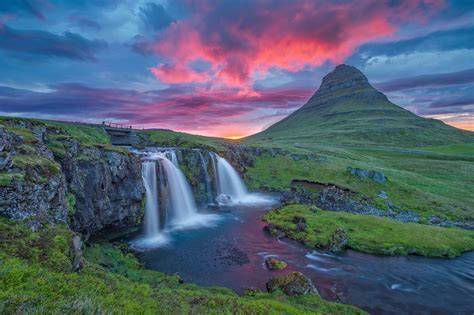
(46, 176)
(107, 188)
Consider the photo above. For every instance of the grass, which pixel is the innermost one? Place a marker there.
(7, 179)
(421, 180)
(371, 234)
(26, 162)
(36, 277)
(168, 138)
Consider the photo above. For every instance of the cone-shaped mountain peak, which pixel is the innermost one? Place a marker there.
(344, 76)
(347, 109)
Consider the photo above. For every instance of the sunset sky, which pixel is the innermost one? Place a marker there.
(228, 68)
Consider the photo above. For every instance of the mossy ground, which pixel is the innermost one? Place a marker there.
(36, 277)
(371, 234)
(430, 181)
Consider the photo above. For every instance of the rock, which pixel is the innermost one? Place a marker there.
(108, 189)
(298, 219)
(314, 209)
(292, 284)
(223, 199)
(273, 230)
(273, 263)
(338, 241)
(6, 161)
(252, 291)
(383, 195)
(375, 176)
(76, 253)
(301, 227)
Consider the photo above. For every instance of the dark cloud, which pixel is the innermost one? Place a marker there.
(155, 16)
(27, 7)
(437, 41)
(85, 23)
(436, 79)
(42, 43)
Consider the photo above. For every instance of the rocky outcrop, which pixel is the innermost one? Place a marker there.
(292, 284)
(48, 177)
(107, 187)
(32, 188)
(336, 198)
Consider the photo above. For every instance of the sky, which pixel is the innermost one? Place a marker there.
(228, 68)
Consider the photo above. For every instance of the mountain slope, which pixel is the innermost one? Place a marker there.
(347, 110)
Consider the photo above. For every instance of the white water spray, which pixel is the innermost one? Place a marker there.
(182, 206)
(152, 224)
(229, 181)
(230, 185)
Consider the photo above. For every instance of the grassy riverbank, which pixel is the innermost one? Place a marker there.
(369, 234)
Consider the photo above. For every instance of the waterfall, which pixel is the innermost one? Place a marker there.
(214, 170)
(229, 181)
(152, 224)
(182, 205)
(206, 177)
(171, 155)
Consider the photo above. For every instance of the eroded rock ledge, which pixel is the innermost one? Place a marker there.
(49, 177)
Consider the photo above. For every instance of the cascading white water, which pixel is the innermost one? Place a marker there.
(183, 208)
(152, 224)
(171, 155)
(229, 181)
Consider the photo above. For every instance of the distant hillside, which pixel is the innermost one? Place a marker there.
(347, 110)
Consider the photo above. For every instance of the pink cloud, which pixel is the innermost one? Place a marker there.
(241, 42)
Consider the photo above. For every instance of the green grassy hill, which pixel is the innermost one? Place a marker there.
(347, 110)
(348, 123)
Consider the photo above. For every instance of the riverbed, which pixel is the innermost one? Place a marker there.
(231, 252)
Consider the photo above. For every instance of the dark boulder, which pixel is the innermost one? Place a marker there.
(292, 284)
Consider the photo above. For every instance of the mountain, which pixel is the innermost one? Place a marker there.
(348, 110)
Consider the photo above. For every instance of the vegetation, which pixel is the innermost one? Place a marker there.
(168, 138)
(428, 182)
(370, 234)
(36, 277)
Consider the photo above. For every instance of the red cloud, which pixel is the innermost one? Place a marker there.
(242, 40)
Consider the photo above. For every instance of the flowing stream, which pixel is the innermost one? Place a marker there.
(232, 253)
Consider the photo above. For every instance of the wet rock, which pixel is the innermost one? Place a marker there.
(273, 263)
(292, 284)
(223, 199)
(338, 241)
(273, 230)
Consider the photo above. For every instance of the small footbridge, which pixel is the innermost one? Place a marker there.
(121, 134)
